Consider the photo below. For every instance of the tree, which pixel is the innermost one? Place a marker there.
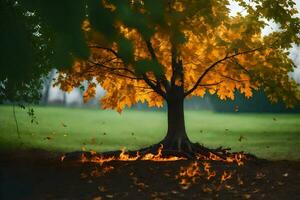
(47, 85)
(35, 37)
(165, 51)
(24, 54)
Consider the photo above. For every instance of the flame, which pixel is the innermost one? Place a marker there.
(238, 158)
(62, 157)
(190, 174)
(209, 173)
(225, 176)
(159, 157)
(187, 176)
(190, 171)
(124, 156)
(83, 158)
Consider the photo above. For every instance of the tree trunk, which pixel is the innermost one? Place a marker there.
(47, 86)
(176, 138)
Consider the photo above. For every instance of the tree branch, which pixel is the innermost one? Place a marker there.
(153, 56)
(239, 65)
(215, 64)
(149, 82)
(173, 63)
(154, 87)
(105, 48)
(112, 71)
(210, 84)
(113, 68)
(233, 79)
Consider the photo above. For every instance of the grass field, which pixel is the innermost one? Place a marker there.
(270, 136)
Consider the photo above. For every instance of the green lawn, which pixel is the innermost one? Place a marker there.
(271, 136)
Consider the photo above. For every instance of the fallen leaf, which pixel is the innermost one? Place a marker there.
(241, 138)
(260, 175)
(256, 190)
(93, 152)
(83, 175)
(228, 187)
(109, 196)
(280, 183)
(62, 158)
(102, 189)
(93, 141)
(285, 174)
(206, 189)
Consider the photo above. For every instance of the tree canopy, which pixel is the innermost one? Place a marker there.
(140, 50)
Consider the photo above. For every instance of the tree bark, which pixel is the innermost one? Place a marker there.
(176, 138)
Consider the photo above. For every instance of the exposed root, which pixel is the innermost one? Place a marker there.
(187, 149)
(166, 150)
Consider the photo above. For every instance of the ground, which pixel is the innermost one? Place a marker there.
(30, 167)
(40, 175)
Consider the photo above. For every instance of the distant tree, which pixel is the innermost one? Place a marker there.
(47, 85)
(24, 53)
(37, 36)
(165, 51)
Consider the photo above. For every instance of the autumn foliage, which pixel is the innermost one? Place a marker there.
(201, 51)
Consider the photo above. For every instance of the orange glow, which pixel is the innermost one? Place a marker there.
(210, 173)
(225, 176)
(237, 158)
(124, 156)
(187, 176)
(62, 158)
